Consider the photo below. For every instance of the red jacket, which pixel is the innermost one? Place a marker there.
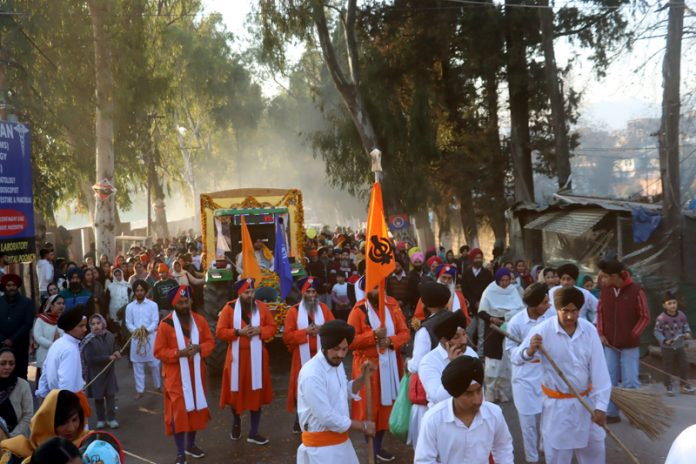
(622, 314)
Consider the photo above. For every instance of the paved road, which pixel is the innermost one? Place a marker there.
(142, 429)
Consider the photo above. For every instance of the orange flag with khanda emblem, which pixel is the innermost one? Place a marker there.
(379, 249)
(250, 266)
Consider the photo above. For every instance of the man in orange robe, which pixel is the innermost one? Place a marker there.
(246, 380)
(183, 340)
(381, 345)
(447, 276)
(302, 324)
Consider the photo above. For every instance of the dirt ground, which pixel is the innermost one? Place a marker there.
(142, 429)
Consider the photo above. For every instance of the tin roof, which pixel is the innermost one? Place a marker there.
(568, 222)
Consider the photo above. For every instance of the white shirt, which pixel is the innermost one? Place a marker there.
(44, 334)
(340, 289)
(445, 439)
(589, 307)
(421, 347)
(145, 314)
(62, 368)
(118, 297)
(683, 448)
(323, 392)
(44, 272)
(430, 373)
(260, 259)
(526, 375)
(565, 423)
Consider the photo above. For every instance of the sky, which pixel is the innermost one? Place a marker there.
(632, 88)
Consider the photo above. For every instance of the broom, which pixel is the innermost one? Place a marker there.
(645, 411)
(572, 389)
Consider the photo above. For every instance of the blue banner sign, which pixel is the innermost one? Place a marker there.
(16, 196)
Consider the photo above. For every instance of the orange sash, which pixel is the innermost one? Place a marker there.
(327, 438)
(84, 402)
(561, 395)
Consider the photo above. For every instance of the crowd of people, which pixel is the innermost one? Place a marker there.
(468, 335)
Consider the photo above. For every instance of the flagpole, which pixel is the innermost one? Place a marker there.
(376, 167)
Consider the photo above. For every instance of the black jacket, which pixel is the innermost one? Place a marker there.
(473, 286)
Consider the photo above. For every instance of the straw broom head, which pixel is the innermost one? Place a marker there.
(646, 411)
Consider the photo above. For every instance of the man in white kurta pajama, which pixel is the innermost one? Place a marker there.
(323, 392)
(435, 297)
(62, 369)
(450, 330)
(143, 313)
(528, 376)
(567, 427)
(464, 429)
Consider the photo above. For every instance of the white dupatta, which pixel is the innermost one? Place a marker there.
(388, 367)
(200, 403)
(303, 323)
(256, 347)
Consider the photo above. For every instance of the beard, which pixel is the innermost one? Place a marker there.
(310, 303)
(247, 306)
(373, 299)
(452, 287)
(75, 287)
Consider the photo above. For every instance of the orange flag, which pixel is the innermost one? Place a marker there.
(379, 249)
(250, 266)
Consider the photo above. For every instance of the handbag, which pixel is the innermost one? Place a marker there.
(416, 392)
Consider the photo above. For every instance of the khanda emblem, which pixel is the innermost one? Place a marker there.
(381, 251)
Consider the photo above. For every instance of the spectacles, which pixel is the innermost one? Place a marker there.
(7, 363)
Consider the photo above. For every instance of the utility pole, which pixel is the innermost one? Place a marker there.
(668, 139)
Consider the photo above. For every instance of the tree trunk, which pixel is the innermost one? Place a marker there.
(160, 226)
(669, 141)
(518, 87)
(90, 200)
(519, 103)
(553, 87)
(188, 162)
(498, 161)
(348, 88)
(424, 231)
(105, 208)
(468, 217)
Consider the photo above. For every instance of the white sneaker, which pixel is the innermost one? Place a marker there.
(100, 425)
(113, 424)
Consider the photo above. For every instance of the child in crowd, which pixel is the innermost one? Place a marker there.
(339, 296)
(98, 349)
(671, 330)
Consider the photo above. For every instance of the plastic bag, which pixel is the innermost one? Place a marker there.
(401, 411)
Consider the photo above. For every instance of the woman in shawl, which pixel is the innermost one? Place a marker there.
(499, 302)
(16, 402)
(116, 298)
(98, 349)
(60, 415)
(46, 329)
(184, 277)
(91, 283)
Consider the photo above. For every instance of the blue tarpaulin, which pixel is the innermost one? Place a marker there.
(644, 224)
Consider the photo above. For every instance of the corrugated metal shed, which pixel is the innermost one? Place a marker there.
(573, 223)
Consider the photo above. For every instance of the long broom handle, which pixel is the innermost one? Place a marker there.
(368, 398)
(655, 368)
(572, 389)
